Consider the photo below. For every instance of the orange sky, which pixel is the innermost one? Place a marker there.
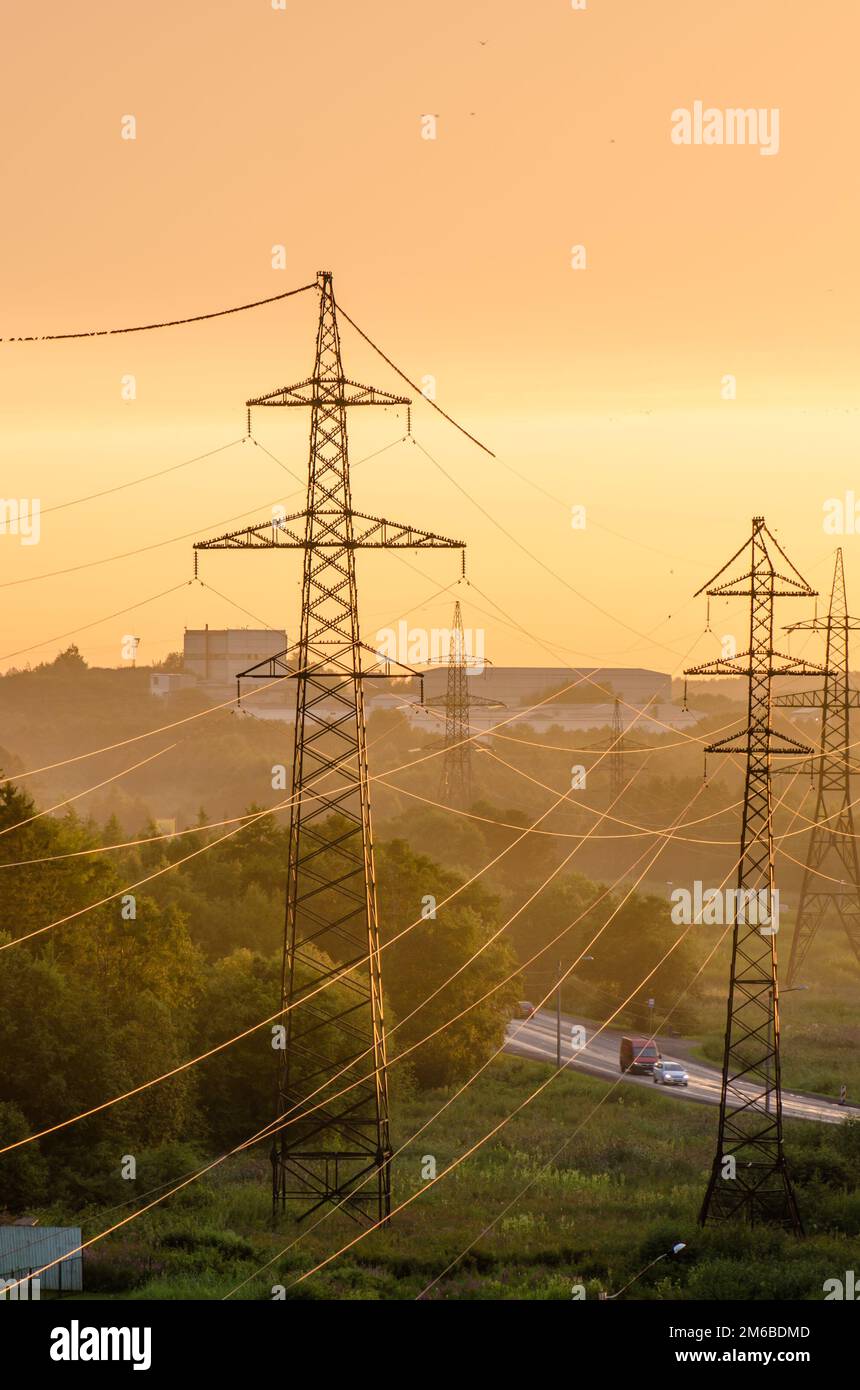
(258, 127)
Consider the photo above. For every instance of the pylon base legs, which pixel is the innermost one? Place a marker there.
(760, 1194)
(361, 1189)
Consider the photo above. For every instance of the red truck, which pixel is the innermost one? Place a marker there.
(638, 1054)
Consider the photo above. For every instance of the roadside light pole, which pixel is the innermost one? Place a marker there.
(559, 977)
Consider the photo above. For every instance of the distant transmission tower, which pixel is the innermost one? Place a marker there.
(617, 745)
(831, 878)
(456, 781)
(616, 756)
(331, 910)
(750, 1178)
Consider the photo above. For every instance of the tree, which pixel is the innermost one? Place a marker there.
(68, 662)
(173, 661)
(430, 954)
(23, 1172)
(238, 1085)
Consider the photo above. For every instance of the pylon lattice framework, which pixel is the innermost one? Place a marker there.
(455, 787)
(831, 877)
(341, 1152)
(618, 743)
(616, 756)
(750, 1177)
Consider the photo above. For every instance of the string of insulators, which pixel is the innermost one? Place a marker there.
(195, 564)
(705, 768)
(462, 564)
(248, 412)
(708, 615)
(408, 420)
(684, 708)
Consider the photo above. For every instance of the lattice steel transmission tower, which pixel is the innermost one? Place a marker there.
(616, 755)
(831, 877)
(332, 924)
(750, 1178)
(619, 742)
(455, 786)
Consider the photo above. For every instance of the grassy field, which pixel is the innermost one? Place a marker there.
(626, 1183)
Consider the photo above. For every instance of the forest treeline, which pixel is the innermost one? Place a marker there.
(165, 948)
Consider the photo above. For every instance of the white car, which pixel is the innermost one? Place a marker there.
(670, 1074)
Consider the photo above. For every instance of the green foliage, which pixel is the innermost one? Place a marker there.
(24, 1170)
(102, 1004)
(435, 950)
(238, 1085)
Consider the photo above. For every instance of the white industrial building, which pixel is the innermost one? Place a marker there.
(217, 655)
(518, 686)
(213, 658)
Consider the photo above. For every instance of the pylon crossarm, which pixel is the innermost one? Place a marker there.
(278, 533)
(765, 742)
(799, 699)
(380, 533)
(730, 666)
(822, 624)
(761, 567)
(276, 667)
(722, 666)
(255, 536)
(328, 391)
(475, 702)
(743, 587)
(796, 666)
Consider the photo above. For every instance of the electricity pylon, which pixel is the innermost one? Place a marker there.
(340, 1152)
(616, 756)
(456, 780)
(617, 744)
(831, 877)
(750, 1178)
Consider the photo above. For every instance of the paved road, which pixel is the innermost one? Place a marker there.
(535, 1037)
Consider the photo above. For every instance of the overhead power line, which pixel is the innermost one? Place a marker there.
(135, 482)
(409, 382)
(147, 327)
(186, 535)
(73, 631)
(455, 1163)
(332, 980)
(290, 1117)
(604, 612)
